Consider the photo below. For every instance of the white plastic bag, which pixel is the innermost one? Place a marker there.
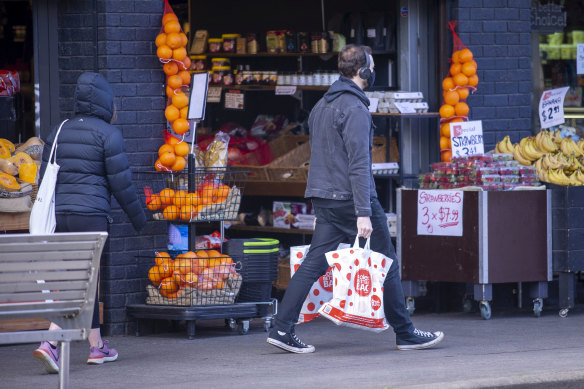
(358, 275)
(42, 216)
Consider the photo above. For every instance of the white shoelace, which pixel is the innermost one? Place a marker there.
(423, 333)
(297, 340)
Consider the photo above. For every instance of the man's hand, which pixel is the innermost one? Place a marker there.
(364, 227)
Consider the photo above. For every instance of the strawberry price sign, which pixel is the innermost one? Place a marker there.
(440, 212)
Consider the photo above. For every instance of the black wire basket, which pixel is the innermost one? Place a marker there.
(204, 194)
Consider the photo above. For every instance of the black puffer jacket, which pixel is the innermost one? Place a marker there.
(92, 157)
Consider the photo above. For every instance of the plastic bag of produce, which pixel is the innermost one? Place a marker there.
(358, 275)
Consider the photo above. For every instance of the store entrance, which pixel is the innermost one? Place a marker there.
(17, 117)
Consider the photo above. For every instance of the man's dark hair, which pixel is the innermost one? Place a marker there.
(351, 59)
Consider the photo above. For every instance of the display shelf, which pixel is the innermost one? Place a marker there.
(275, 188)
(322, 88)
(275, 230)
(408, 115)
(266, 54)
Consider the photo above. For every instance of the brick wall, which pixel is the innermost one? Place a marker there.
(126, 56)
(499, 34)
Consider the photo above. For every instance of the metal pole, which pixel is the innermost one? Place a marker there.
(64, 365)
(322, 14)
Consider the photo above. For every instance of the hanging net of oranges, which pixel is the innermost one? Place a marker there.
(461, 80)
(171, 45)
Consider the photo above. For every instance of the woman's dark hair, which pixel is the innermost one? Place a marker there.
(351, 59)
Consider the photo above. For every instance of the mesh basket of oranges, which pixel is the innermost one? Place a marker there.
(207, 194)
(205, 277)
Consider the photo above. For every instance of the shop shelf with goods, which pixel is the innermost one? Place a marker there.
(196, 284)
(506, 238)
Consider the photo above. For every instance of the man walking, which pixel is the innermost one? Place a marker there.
(341, 186)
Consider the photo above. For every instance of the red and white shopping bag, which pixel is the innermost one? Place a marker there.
(358, 275)
(321, 291)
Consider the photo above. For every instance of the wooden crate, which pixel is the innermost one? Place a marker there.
(283, 273)
(291, 166)
(378, 153)
(285, 143)
(254, 173)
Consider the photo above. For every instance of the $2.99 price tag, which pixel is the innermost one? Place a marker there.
(551, 107)
(440, 212)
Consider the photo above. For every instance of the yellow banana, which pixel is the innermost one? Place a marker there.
(574, 147)
(580, 144)
(557, 137)
(527, 150)
(506, 146)
(533, 148)
(547, 142)
(519, 157)
(539, 163)
(579, 176)
(543, 175)
(537, 141)
(566, 146)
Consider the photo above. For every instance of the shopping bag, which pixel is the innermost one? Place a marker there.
(358, 275)
(42, 216)
(321, 291)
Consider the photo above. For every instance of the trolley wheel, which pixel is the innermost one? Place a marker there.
(231, 324)
(564, 312)
(485, 310)
(537, 306)
(268, 323)
(243, 327)
(410, 305)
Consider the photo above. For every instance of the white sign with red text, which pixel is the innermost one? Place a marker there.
(551, 107)
(440, 212)
(467, 138)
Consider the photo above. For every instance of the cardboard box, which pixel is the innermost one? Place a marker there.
(285, 213)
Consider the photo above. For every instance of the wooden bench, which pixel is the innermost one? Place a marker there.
(52, 277)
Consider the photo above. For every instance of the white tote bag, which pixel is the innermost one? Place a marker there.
(42, 216)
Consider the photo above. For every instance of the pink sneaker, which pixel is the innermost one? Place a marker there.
(48, 356)
(98, 356)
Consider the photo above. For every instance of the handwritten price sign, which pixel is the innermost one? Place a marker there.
(440, 212)
(551, 107)
(467, 138)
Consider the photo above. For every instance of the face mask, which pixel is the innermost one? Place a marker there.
(371, 80)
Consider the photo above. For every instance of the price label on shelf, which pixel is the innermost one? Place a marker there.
(234, 100)
(214, 94)
(551, 107)
(440, 212)
(580, 59)
(466, 138)
(285, 90)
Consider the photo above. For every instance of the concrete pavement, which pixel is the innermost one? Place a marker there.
(512, 349)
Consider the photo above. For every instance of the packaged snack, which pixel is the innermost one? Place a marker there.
(509, 170)
(229, 42)
(215, 45)
(216, 154)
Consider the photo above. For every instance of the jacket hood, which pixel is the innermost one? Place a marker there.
(94, 96)
(345, 85)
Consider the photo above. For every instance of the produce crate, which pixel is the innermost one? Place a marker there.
(292, 166)
(379, 149)
(284, 143)
(283, 273)
(207, 194)
(252, 173)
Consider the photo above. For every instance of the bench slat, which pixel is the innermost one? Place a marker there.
(35, 266)
(46, 256)
(46, 246)
(34, 296)
(57, 237)
(19, 287)
(39, 336)
(47, 275)
(41, 308)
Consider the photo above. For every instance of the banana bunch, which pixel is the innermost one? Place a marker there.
(569, 147)
(558, 177)
(545, 142)
(505, 146)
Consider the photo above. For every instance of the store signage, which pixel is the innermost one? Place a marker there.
(404, 12)
(440, 212)
(580, 59)
(214, 94)
(551, 107)
(548, 17)
(198, 97)
(466, 138)
(234, 100)
(285, 90)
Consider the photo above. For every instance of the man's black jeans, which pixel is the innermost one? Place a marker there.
(334, 226)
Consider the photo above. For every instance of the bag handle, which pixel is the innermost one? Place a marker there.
(367, 244)
(54, 147)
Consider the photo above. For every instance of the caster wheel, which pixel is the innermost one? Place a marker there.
(564, 312)
(537, 307)
(231, 324)
(485, 310)
(243, 327)
(410, 305)
(268, 324)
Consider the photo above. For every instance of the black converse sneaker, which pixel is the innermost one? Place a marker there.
(288, 341)
(418, 340)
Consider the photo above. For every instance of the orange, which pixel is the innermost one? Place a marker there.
(455, 68)
(168, 17)
(461, 109)
(172, 140)
(465, 55)
(468, 69)
(444, 143)
(165, 149)
(174, 82)
(164, 52)
(165, 270)
(456, 120)
(226, 259)
(446, 155)
(202, 254)
(190, 280)
(455, 58)
(160, 39)
(448, 83)
(168, 286)
(159, 166)
(445, 130)
(193, 199)
(446, 111)
(173, 40)
(180, 126)
(219, 285)
(171, 113)
(183, 266)
(462, 93)
(213, 253)
(180, 100)
(475, 64)
(460, 80)
(180, 198)
(170, 68)
(170, 92)
(215, 261)
(179, 54)
(167, 158)
(166, 196)
(172, 26)
(183, 39)
(220, 194)
(155, 203)
(187, 212)
(162, 258)
(171, 212)
(154, 275)
(184, 112)
(181, 149)
(186, 77)
(179, 164)
(451, 97)
(473, 80)
(185, 64)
